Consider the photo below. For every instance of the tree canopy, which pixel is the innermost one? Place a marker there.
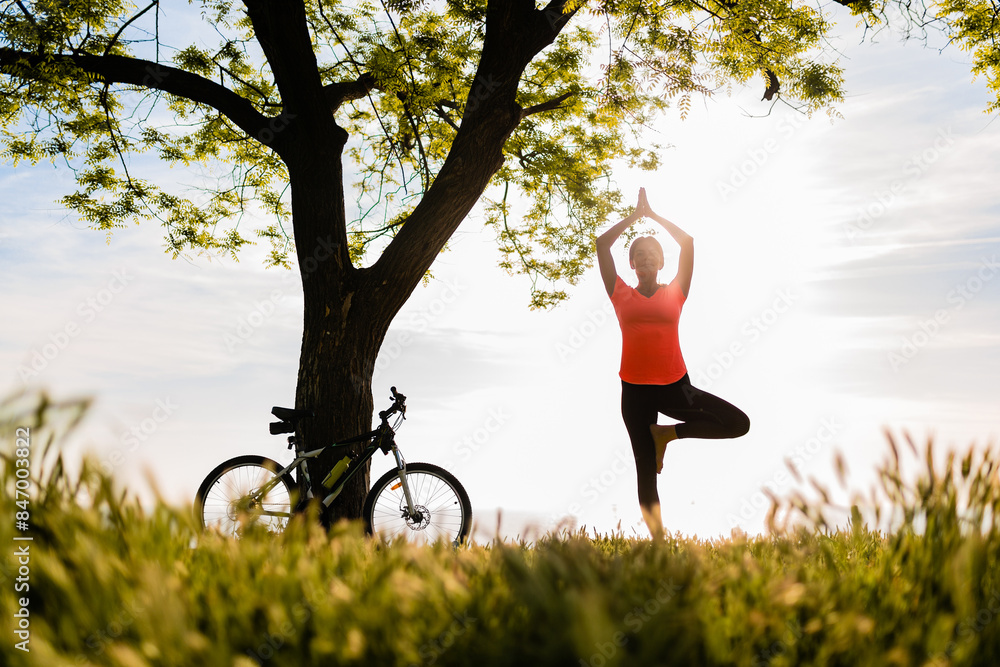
(92, 84)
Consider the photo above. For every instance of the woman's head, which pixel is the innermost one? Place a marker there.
(644, 252)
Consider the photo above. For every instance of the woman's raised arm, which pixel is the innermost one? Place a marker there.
(685, 264)
(604, 242)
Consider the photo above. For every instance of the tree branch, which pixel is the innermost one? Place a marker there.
(442, 113)
(145, 74)
(772, 85)
(118, 34)
(854, 5)
(346, 91)
(27, 14)
(555, 15)
(516, 31)
(283, 35)
(554, 103)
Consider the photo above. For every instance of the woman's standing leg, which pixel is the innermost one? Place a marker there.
(638, 411)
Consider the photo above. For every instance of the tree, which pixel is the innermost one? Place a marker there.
(433, 100)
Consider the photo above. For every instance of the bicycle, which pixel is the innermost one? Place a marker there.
(421, 502)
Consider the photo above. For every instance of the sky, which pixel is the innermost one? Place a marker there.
(847, 282)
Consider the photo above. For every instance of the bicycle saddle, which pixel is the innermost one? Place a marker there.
(291, 415)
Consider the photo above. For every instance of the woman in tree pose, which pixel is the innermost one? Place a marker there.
(654, 377)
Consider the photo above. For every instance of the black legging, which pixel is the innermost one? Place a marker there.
(701, 415)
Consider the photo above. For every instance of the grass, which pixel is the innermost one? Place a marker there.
(112, 583)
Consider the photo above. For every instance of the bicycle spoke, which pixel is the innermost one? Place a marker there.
(233, 502)
(440, 512)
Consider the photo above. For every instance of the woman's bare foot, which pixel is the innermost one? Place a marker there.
(653, 521)
(661, 436)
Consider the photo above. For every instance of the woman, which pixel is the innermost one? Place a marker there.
(654, 377)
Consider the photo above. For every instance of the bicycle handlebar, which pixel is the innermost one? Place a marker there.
(398, 405)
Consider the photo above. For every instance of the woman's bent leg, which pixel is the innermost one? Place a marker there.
(702, 415)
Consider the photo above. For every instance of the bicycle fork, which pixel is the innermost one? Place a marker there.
(401, 468)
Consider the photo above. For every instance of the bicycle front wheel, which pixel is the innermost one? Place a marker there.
(243, 492)
(442, 510)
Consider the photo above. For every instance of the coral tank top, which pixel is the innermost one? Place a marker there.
(651, 350)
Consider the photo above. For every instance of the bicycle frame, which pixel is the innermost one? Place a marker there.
(381, 438)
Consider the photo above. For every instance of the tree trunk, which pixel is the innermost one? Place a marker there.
(342, 331)
(348, 310)
(343, 327)
(335, 369)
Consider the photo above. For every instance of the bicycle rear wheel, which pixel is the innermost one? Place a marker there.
(229, 499)
(441, 503)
